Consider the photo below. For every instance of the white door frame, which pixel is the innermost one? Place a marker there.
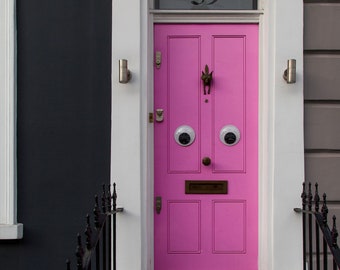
(281, 165)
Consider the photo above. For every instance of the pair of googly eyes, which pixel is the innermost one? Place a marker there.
(185, 135)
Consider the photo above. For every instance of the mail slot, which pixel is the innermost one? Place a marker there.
(206, 187)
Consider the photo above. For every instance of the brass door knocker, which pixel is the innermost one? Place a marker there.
(206, 78)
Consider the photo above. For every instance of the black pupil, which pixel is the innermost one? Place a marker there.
(184, 138)
(230, 138)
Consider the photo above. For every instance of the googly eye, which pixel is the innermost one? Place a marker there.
(184, 135)
(230, 135)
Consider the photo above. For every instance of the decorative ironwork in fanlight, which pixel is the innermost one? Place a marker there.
(206, 4)
(203, 2)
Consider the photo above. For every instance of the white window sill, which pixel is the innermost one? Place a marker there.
(11, 231)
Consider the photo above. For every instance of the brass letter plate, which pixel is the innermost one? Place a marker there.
(206, 187)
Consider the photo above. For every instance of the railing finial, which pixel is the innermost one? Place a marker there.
(96, 212)
(324, 209)
(68, 264)
(79, 253)
(329, 235)
(310, 197)
(114, 197)
(316, 197)
(304, 195)
(104, 199)
(100, 240)
(88, 232)
(334, 233)
(109, 199)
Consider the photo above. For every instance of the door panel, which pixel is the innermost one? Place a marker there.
(199, 229)
(233, 239)
(229, 74)
(183, 99)
(184, 230)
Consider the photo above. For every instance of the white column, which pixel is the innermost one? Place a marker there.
(126, 131)
(283, 153)
(9, 229)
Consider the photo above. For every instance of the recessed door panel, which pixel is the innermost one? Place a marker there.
(228, 99)
(205, 147)
(183, 99)
(233, 239)
(184, 227)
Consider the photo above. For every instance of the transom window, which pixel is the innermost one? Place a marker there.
(206, 4)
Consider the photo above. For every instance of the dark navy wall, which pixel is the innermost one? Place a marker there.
(64, 112)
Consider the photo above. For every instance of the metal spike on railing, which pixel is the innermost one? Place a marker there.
(109, 199)
(68, 264)
(304, 203)
(317, 232)
(324, 209)
(79, 253)
(334, 233)
(330, 234)
(96, 212)
(100, 246)
(310, 197)
(88, 232)
(310, 225)
(104, 199)
(316, 197)
(304, 195)
(114, 197)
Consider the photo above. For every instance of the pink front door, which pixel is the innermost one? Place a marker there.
(206, 147)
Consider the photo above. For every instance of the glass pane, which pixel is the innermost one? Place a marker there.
(206, 4)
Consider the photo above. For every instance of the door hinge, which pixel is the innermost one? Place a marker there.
(151, 117)
(158, 204)
(158, 59)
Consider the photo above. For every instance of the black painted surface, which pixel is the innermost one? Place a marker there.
(64, 111)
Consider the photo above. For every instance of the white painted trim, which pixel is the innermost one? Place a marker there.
(288, 170)
(9, 229)
(281, 112)
(199, 16)
(281, 156)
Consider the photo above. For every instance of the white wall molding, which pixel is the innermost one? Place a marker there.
(9, 229)
(211, 16)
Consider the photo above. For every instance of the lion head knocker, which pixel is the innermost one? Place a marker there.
(206, 78)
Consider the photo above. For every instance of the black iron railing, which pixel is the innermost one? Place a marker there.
(99, 251)
(320, 247)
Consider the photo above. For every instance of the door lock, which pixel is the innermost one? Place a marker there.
(158, 204)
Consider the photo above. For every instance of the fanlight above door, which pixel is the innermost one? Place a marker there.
(206, 4)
